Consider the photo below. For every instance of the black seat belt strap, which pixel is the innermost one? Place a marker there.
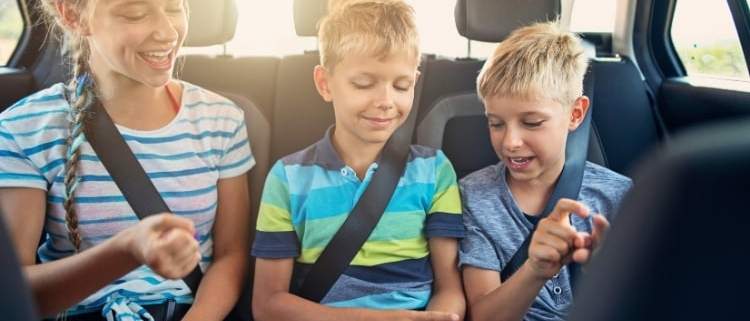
(366, 214)
(357, 227)
(128, 174)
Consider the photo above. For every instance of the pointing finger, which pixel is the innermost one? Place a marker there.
(565, 206)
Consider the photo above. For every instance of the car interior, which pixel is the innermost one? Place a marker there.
(681, 138)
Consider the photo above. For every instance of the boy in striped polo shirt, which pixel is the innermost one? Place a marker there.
(369, 59)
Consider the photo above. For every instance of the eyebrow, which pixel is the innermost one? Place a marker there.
(533, 113)
(364, 74)
(408, 78)
(374, 76)
(126, 3)
(143, 2)
(523, 114)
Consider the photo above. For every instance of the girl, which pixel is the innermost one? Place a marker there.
(98, 260)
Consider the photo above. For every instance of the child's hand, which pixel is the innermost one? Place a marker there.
(555, 240)
(586, 245)
(165, 243)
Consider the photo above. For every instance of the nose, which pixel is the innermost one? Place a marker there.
(166, 29)
(384, 100)
(512, 140)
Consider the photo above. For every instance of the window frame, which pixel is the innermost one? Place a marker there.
(741, 17)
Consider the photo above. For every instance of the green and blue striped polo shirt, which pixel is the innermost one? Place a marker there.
(308, 195)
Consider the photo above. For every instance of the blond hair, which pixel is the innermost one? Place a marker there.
(535, 62)
(80, 94)
(373, 27)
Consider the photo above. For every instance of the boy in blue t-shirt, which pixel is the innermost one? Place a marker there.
(369, 58)
(532, 87)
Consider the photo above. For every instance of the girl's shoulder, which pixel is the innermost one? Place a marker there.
(202, 101)
(44, 99)
(47, 107)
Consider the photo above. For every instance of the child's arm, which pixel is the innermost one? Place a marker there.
(551, 247)
(449, 294)
(222, 283)
(164, 242)
(491, 299)
(444, 226)
(273, 302)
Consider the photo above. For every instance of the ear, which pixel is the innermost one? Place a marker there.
(321, 78)
(578, 112)
(71, 18)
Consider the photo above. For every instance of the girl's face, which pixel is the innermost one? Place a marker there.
(136, 40)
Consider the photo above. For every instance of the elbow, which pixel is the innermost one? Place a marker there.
(261, 309)
(476, 312)
(46, 308)
(259, 314)
(478, 316)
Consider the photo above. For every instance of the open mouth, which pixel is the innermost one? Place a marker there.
(160, 60)
(519, 163)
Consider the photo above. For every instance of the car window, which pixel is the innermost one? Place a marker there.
(596, 16)
(435, 21)
(11, 29)
(706, 41)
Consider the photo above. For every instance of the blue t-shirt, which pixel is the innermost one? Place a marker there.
(308, 195)
(185, 159)
(496, 227)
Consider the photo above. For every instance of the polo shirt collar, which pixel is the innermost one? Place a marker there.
(327, 155)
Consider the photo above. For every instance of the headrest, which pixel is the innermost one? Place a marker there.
(307, 13)
(493, 20)
(212, 22)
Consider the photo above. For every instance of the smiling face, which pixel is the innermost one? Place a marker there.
(529, 136)
(136, 40)
(371, 96)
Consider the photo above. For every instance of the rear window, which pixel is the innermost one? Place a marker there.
(593, 16)
(266, 28)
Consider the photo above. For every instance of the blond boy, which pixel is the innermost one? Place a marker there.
(369, 58)
(532, 87)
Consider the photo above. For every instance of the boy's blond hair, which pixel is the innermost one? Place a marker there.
(372, 27)
(534, 62)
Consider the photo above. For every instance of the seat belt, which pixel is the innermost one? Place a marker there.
(128, 174)
(366, 214)
(568, 186)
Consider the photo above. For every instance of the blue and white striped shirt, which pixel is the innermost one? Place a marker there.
(205, 142)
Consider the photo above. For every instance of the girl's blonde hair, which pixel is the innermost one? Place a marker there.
(372, 27)
(80, 94)
(537, 61)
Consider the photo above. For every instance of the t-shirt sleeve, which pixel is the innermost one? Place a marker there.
(16, 169)
(444, 215)
(236, 157)
(275, 236)
(476, 249)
